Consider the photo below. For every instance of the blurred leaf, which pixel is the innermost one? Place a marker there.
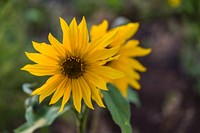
(27, 87)
(35, 15)
(120, 21)
(34, 121)
(119, 108)
(38, 116)
(116, 5)
(133, 97)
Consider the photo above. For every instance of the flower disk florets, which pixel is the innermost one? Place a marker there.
(73, 67)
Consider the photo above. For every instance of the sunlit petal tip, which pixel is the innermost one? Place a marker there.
(90, 106)
(60, 110)
(51, 102)
(134, 25)
(137, 42)
(50, 36)
(22, 68)
(102, 105)
(105, 89)
(83, 22)
(83, 19)
(61, 19)
(149, 50)
(33, 93)
(63, 22)
(144, 70)
(33, 42)
(41, 98)
(78, 109)
(26, 52)
(25, 67)
(137, 88)
(73, 21)
(137, 24)
(120, 74)
(105, 22)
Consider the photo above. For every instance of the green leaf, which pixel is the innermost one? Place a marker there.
(119, 108)
(44, 117)
(133, 97)
(27, 87)
(36, 115)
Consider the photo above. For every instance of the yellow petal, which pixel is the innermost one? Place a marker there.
(42, 70)
(46, 49)
(122, 85)
(131, 44)
(136, 52)
(134, 83)
(107, 72)
(113, 58)
(59, 91)
(83, 36)
(103, 41)
(102, 54)
(41, 59)
(136, 65)
(86, 91)
(124, 33)
(77, 95)
(57, 46)
(98, 30)
(128, 71)
(50, 82)
(65, 30)
(48, 91)
(66, 95)
(96, 95)
(96, 80)
(73, 35)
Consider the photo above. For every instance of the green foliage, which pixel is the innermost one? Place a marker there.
(12, 44)
(14, 40)
(133, 97)
(36, 115)
(190, 51)
(119, 108)
(115, 5)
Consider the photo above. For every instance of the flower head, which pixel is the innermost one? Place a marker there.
(75, 65)
(124, 60)
(174, 3)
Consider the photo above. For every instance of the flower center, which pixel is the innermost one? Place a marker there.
(73, 67)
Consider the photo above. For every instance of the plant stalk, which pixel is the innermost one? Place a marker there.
(82, 119)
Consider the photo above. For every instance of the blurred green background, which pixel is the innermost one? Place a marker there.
(173, 33)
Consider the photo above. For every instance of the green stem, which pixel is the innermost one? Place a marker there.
(82, 119)
(95, 120)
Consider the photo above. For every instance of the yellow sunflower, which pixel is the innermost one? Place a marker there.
(125, 59)
(75, 65)
(174, 3)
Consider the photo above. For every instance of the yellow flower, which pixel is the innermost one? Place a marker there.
(75, 66)
(125, 59)
(174, 3)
